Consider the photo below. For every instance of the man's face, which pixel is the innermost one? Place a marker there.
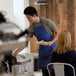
(30, 18)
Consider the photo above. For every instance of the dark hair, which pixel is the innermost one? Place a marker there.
(30, 11)
(2, 18)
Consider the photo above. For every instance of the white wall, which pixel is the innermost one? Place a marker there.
(7, 6)
(18, 16)
(14, 11)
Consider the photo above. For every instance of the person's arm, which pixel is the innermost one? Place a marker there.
(16, 51)
(56, 34)
(28, 31)
(29, 35)
(55, 31)
(22, 34)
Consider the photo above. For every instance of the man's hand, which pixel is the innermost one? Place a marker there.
(16, 52)
(49, 43)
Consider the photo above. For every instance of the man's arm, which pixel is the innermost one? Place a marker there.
(22, 34)
(56, 34)
(55, 31)
(19, 49)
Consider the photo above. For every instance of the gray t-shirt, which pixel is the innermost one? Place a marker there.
(49, 25)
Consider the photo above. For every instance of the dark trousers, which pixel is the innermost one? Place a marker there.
(45, 72)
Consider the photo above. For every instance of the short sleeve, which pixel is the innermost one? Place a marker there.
(30, 30)
(53, 27)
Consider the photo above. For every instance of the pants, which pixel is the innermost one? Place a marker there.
(45, 72)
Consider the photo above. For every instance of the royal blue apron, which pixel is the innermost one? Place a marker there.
(45, 52)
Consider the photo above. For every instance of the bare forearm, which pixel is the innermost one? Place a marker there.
(56, 34)
(15, 52)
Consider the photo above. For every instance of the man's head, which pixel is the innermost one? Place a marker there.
(31, 13)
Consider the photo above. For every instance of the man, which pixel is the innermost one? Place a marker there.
(44, 29)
